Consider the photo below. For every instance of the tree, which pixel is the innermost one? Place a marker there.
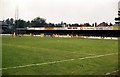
(7, 21)
(87, 24)
(95, 24)
(51, 25)
(9, 24)
(27, 24)
(37, 22)
(11, 21)
(20, 23)
(111, 24)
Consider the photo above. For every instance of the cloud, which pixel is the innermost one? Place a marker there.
(62, 10)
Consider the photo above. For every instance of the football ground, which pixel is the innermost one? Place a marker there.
(58, 56)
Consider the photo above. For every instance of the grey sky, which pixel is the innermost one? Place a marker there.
(55, 11)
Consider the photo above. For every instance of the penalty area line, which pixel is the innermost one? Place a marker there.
(53, 62)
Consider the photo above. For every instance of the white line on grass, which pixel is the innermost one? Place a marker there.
(39, 64)
(111, 72)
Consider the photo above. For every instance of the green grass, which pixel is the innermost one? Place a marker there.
(0, 54)
(18, 51)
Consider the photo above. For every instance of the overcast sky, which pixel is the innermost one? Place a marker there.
(55, 11)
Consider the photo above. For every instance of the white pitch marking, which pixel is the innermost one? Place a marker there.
(39, 64)
(111, 72)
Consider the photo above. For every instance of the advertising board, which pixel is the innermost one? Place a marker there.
(88, 28)
(99, 28)
(115, 27)
(107, 28)
(72, 28)
(59, 28)
(49, 28)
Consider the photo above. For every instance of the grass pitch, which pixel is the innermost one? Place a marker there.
(22, 51)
